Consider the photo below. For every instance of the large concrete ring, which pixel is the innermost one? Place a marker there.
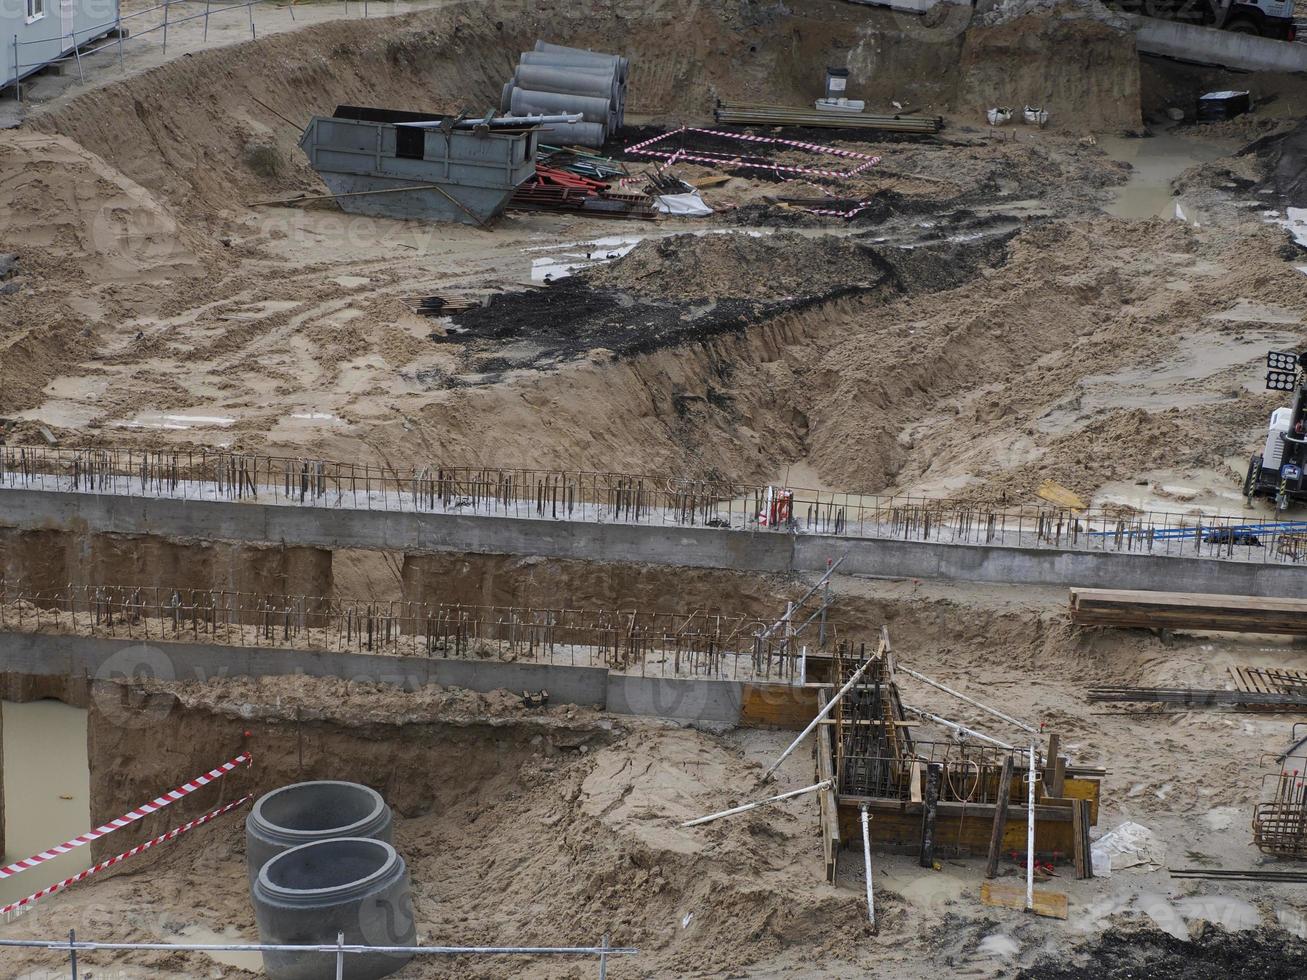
(311, 894)
(306, 812)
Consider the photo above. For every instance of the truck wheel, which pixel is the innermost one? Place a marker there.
(1242, 25)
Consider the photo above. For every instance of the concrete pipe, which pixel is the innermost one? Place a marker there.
(576, 134)
(526, 102)
(581, 56)
(534, 59)
(310, 894)
(506, 98)
(580, 60)
(306, 812)
(543, 78)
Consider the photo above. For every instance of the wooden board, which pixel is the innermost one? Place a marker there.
(1055, 493)
(898, 826)
(1051, 905)
(1187, 610)
(783, 706)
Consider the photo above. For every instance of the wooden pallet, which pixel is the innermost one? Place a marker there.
(1269, 680)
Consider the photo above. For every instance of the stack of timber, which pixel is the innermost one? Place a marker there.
(1190, 697)
(1188, 611)
(757, 114)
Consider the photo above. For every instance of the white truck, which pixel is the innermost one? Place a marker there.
(1267, 18)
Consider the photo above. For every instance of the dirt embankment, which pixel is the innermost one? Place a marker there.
(1084, 71)
(50, 561)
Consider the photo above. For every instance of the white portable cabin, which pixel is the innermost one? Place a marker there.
(33, 33)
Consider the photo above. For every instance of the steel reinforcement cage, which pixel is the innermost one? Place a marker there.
(606, 497)
(695, 643)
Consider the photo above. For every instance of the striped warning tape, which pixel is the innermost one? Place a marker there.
(83, 875)
(722, 159)
(127, 818)
(852, 213)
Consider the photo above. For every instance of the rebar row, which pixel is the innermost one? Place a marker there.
(596, 496)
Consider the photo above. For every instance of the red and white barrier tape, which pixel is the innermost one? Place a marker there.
(722, 159)
(82, 876)
(131, 817)
(853, 213)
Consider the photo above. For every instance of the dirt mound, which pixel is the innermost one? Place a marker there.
(78, 209)
(764, 267)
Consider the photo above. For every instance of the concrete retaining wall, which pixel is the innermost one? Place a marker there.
(758, 551)
(692, 700)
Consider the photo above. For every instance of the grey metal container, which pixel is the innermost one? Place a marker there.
(464, 175)
(310, 894)
(526, 101)
(303, 813)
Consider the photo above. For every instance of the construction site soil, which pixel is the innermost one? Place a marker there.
(1089, 303)
(557, 824)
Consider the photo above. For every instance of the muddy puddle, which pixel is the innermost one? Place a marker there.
(1156, 161)
(47, 791)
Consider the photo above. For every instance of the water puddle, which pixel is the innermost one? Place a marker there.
(998, 946)
(154, 420)
(1157, 160)
(582, 256)
(572, 257)
(203, 935)
(47, 791)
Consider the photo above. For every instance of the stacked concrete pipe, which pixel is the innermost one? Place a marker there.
(307, 812)
(352, 886)
(321, 864)
(554, 78)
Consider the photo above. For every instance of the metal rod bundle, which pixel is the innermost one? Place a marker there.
(757, 114)
(1199, 698)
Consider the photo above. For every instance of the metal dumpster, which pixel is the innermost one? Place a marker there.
(397, 164)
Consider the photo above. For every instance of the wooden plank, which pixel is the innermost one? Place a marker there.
(1177, 610)
(1050, 905)
(782, 706)
(1055, 493)
(1080, 837)
(1054, 747)
(1000, 816)
(955, 833)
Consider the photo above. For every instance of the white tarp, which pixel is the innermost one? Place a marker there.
(1297, 224)
(1130, 845)
(687, 205)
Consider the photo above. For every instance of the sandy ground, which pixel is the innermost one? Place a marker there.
(1090, 308)
(570, 829)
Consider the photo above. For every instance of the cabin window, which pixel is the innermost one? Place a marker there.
(410, 142)
(35, 10)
